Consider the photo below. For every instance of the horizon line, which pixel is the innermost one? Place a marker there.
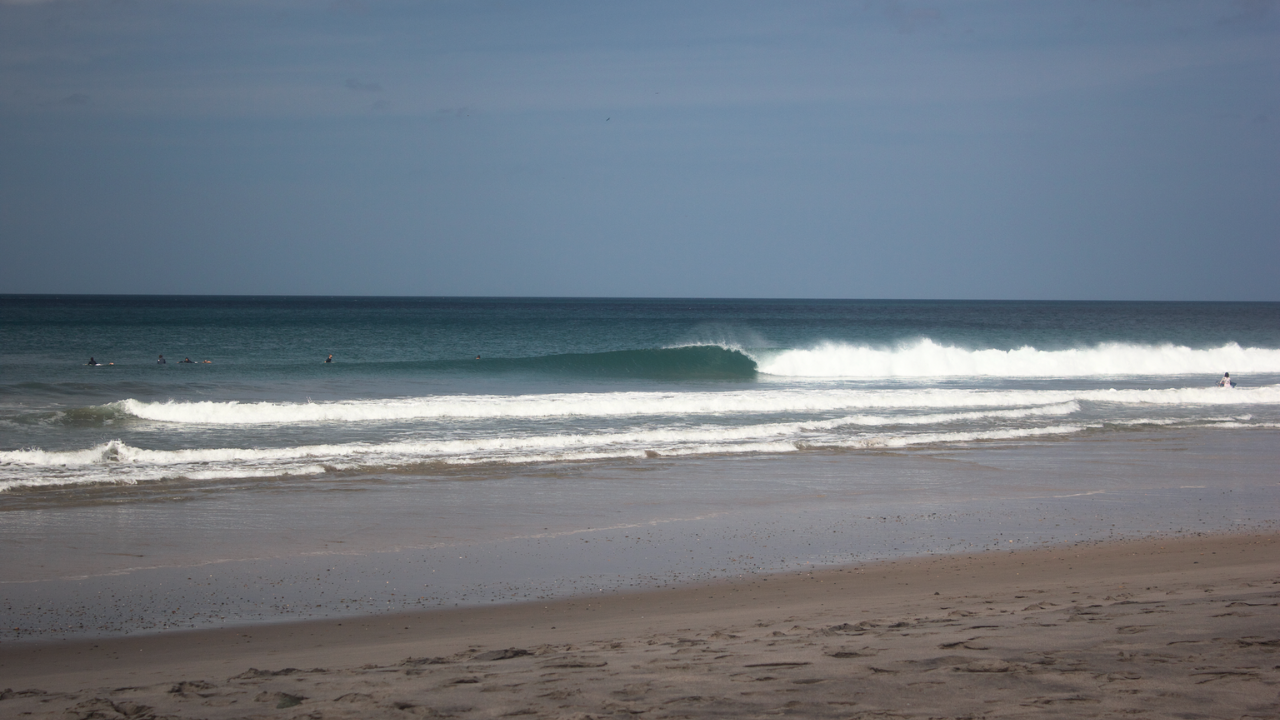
(247, 296)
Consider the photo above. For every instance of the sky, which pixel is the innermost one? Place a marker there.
(991, 149)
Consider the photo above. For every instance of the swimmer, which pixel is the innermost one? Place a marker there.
(1226, 381)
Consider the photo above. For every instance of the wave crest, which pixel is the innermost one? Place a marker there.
(926, 358)
(695, 362)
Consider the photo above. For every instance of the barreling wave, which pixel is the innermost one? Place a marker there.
(689, 362)
(923, 358)
(657, 404)
(926, 358)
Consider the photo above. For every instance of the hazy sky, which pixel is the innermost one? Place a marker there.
(865, 149)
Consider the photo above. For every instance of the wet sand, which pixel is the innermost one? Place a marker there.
(1186, 627)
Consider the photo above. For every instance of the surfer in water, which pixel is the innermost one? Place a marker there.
(1226, 381)
(160, 361)
(92, 362)
(185, 361)
(329, 359)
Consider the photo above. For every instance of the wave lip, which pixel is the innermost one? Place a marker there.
(687, 362)
(926, 358)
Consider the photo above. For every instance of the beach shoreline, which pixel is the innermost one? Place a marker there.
(1192, 620)
(316, 549)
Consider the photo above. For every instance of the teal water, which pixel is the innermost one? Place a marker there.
(276, 336)
(732, 435)
(436, 383)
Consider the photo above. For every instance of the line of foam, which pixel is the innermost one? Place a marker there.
(116, 461)
(658, 404)
(117, 452)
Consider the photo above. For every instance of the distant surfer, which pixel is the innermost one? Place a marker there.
(1226, 381)
(185, 361)
(329, 359)
(92, 362)
(160, 361)
(477, 357)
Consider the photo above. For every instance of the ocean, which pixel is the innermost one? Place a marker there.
(692, 438)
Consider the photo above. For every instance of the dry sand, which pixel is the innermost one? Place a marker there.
(1186, 627)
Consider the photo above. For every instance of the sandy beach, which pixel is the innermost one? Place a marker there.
(1176, 627)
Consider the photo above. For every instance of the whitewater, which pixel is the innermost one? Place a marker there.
(470, 450)
(927, 358)
(602, 405)
(582, 427)
(421, 387)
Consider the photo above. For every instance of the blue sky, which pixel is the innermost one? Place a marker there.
(867, 149)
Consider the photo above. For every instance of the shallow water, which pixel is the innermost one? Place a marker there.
(397, 544)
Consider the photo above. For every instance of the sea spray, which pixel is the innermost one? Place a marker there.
(927, 358)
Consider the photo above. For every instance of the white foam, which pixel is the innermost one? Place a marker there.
(584, 426)
(1065, 408)
(658, 404)
(959, 437)
(926, 358)
(145, 476)
(117, 461)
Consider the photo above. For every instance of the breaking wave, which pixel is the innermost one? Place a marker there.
(926, 358)
(923, 358)
(689, 362)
